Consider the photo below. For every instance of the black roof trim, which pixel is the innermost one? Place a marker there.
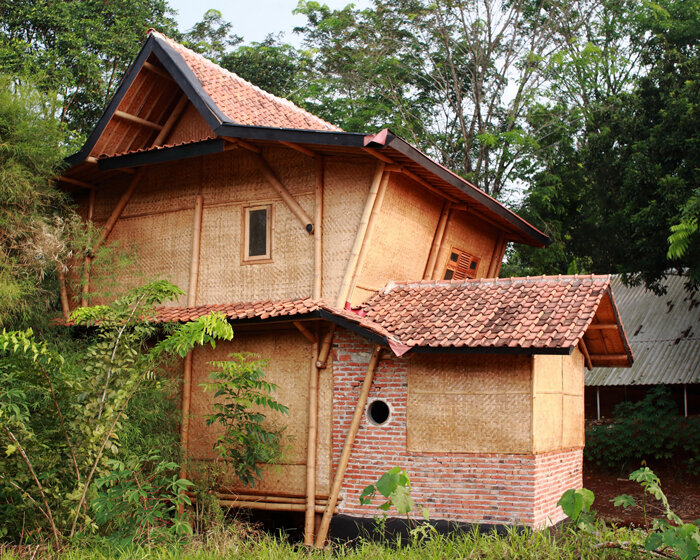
(490, 350)
(298, 135)
(400, 145)
(161, 155)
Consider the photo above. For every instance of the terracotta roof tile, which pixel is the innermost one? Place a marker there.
(241, 101)
(536, 313)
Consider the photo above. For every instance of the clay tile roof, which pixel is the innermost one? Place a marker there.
(535, 313)
(238, 311)
(242, 102)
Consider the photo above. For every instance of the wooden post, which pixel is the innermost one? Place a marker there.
(311, 444)
(437, 241)
(118, 209)
(360, 236)
(501, 255)
(347, 448)
(318, 231)
(286, 196)
(191, 302)
(493, 265)
(368, 235)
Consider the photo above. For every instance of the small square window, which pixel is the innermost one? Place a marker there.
(256, 233)
(461, 265)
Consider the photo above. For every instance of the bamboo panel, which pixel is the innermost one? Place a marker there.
(573, 428)
(573, 369)
(475, 374)
(287, 353)
(345, 191)
(223, 278)
(547, 373)
(474, 404)
(468, 233)
(163, 244)
(547, 421)
(393, 253)
(190, 126)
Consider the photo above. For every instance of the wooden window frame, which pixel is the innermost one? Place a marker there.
(256, 259)
(470, 274)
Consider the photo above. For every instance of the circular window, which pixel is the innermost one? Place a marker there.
(378, 412)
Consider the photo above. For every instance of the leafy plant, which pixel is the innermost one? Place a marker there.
(576, 504)
(241, 395)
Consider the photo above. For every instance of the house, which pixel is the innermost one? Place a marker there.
(366, 274)
(665, 332)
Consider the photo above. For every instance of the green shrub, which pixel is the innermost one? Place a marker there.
(650, 429)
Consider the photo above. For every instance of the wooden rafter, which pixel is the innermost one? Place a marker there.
(586, 355)
(172, 120)
(77, 182)
(298, 148)
(137, 120)
(162, 73)
(603, 326)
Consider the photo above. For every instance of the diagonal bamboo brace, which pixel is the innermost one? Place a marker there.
(347, 448)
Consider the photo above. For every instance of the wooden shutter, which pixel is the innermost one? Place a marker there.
(460, 265)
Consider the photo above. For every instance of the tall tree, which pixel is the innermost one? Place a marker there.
(211, 37)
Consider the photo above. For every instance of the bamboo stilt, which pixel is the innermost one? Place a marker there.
(185, 408)
(360, 236)
(318, 231)
(347, 448)
(286, 196)
(172, 119)
(368, 235)
(311, 444)
(437, 242)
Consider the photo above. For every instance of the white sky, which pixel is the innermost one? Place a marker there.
(253, 19)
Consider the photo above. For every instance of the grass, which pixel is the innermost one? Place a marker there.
(233, 542)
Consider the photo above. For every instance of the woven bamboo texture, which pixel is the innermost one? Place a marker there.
(558, 411)
(467, 232)
(401, 240)
(288, 355)
(472, 404)
(345, 191)
(189, 126)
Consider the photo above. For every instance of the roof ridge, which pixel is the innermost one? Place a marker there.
(204, 60)
(510, 280)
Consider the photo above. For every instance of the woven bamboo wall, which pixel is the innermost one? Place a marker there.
(467, 232)
(472, 404)
(289, 360)
(400, 243)
(346, 187)
(558, 412)
(191, 125)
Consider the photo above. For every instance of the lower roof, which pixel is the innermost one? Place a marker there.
(542, 315)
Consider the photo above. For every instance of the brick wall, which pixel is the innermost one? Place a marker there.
(468, 487)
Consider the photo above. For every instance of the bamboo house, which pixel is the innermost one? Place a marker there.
(366, 274)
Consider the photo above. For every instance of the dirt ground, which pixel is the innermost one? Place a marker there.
(683, 494)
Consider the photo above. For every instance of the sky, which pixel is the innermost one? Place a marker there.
(253, 19)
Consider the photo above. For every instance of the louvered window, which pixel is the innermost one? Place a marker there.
(461, 265)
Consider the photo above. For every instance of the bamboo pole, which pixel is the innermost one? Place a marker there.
(118, 209)
(137, 120)
(434, 270)
(77, 182)
(306, 332)
(501, 255)
(586, 355)
(311, 444)
(493, 265)
(286, 196)
(278, 506)
(153, 68)
(270, 498)
(85, 283)
(298, 148)
(318, 230)
(325, 348)
(437, 241)
(360, 236)
(172, 119)
(368, 235)
(347, 448)
(63, 291)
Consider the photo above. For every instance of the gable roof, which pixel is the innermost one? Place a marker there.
(543, 315)
(665, 332)
(236, 109)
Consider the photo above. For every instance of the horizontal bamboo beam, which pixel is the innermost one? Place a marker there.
(608, 356)
(137, 120)
(269, 506)
(320, 499)
(162, 73)
(298, 148)
(602, 326)
(77, 182)
(286, 196)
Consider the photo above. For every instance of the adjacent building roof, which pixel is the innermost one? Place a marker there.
(665, 333)
(543, 315)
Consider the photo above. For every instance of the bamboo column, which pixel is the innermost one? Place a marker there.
(319, 358)
(360, 237)
(495, 261)
(347, 448)
(437, 241)
(318, 231)
(191, 302)
(85, 283)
